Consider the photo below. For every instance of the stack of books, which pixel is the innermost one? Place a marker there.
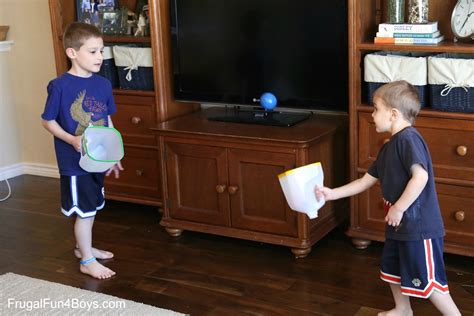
(409, 34)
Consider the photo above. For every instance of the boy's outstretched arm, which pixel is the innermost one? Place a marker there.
(352, 188)
(118, 166)
(54, 128)
(418, 180)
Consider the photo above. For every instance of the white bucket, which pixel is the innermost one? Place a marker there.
(298, 186)
(102, 147)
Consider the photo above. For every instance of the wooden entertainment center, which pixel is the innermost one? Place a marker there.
(221, 178)
(450, 136)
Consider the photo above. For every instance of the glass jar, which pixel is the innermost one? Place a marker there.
(396, 11)
(418, 11)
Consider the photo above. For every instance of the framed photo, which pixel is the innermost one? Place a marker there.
(88, 11)
(112, 22)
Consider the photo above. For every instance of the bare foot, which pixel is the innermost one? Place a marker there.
(98, 253)
(96, 270)
(396, 312)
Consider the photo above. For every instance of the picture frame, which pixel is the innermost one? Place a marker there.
(112, 22)
(89, 11)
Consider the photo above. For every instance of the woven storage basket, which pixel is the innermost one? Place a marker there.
(135, 67)
(451, 82)
(384, 67)
(108, 68)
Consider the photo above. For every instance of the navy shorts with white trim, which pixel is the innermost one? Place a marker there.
(83, 195)
(418, 266)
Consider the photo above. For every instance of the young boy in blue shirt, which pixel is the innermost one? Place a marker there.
(412, 259)
(76, 99)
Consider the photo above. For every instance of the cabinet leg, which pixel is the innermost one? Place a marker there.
(360, 243)
(300, 252)
(174, 232)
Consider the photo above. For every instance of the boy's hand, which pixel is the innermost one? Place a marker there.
(115, 169)
(76, 143)
(324, 192)
(394, 216)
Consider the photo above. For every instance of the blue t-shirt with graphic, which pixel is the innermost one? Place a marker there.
(74, 103)
(422, 219)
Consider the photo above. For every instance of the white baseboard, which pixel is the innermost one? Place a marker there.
(29, 168)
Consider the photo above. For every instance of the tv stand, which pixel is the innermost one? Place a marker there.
(222, 178)
(260, 117)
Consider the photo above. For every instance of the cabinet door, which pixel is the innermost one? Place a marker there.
(139, 181)
(197, 182)
(257, 200)
(370, 213)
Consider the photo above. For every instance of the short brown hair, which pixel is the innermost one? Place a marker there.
(77, 33)
(402, 96)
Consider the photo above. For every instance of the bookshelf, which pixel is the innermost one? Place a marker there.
(444, 132)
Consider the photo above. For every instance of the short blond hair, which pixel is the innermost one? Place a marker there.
(402, 96)
(77, 33)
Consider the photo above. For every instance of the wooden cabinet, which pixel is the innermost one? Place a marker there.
(449, 135)
(137, 111)
(221, 178)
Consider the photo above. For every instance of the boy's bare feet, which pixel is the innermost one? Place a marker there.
(95, 269)
(98, 253)
(396, 312)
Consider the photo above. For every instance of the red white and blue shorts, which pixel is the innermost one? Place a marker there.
(82, 195)
(418, 266)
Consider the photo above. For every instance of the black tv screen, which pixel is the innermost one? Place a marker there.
(232, 51)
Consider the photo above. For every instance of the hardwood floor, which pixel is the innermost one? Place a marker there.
(201, 274)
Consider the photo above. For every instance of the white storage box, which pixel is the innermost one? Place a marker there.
(102, 147)
(384, 67)
(298, 187)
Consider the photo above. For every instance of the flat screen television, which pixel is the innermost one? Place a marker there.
(232, 51)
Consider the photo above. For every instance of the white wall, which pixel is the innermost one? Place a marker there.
(31, 66)
(10, 151)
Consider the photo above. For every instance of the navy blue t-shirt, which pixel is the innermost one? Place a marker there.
(74, 103)
(422, 220)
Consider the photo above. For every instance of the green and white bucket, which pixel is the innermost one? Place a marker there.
(102, 147)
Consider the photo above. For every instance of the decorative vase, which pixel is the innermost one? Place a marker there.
(396, 11)
(418, 11)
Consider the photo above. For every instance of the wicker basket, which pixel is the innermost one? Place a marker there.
(3, 32)
(450, 78)
(108, 68)
(384, 67)
(135, 67)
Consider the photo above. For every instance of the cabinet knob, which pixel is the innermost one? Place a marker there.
(461, 150)
(220, 188)
(139, 172)
(233, 189)
(459, 216)
(386, 140)
(136, 120)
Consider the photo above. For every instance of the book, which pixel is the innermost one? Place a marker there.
(409, 35)
(407, 41)
(429, 27)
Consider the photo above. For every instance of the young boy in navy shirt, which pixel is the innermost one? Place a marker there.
(76, 99)
(412, 259)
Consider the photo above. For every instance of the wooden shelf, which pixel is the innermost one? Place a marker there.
(443, 47)
(121, 39)
(134, 92)
(126, 39)
(429, 112)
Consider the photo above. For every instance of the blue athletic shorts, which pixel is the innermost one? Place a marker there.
(418, 266)
(83, 195)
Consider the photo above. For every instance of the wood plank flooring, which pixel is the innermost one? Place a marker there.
(201, 274)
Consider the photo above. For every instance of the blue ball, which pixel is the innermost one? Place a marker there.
(268, 101)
